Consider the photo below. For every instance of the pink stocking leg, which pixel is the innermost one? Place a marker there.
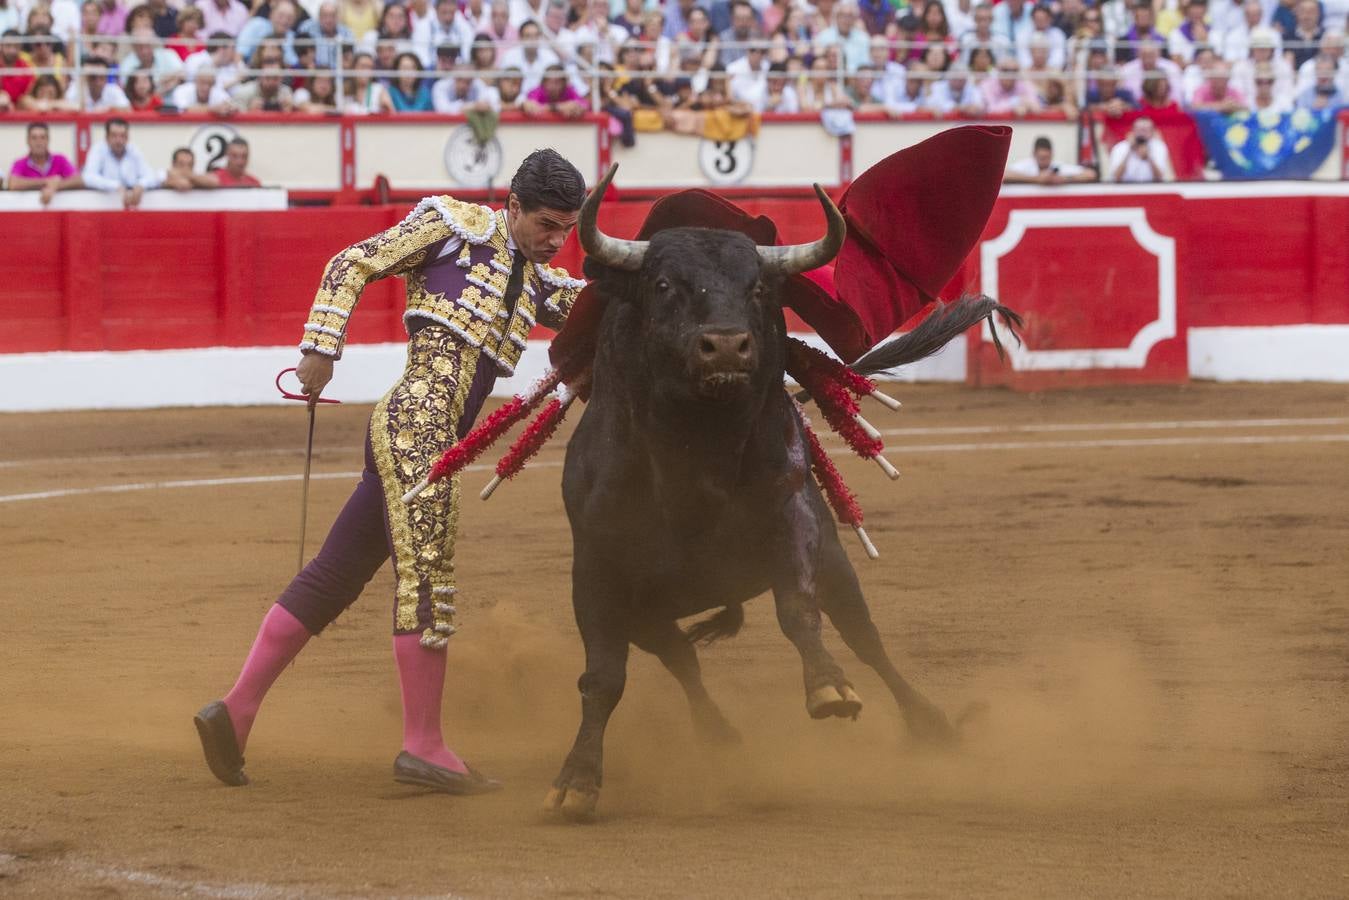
(279, 641)
(421, 674)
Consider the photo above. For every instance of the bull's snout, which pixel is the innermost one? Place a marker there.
(720, 351)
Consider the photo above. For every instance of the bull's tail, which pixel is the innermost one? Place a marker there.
(724, 624)
(945, 322)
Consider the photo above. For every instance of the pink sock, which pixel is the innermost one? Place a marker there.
(421, 674)
(279, 641)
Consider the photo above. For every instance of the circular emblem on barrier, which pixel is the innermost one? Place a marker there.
(726, 162)
(208, 146)
(470, 162)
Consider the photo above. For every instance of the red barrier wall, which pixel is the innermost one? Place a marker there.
(122, 281)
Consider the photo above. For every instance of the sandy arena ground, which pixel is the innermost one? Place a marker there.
(1150, 587)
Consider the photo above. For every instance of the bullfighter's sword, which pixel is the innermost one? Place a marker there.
(312, 403)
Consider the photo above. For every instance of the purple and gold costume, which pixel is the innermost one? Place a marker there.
(456, 258)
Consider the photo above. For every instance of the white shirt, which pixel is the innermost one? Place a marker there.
(1030, 168)
(789, 101)
(428, 34)
(942, 99)
(166, 63)
(1131, 77)
(514, 58)
(444, 98)
(184, 96)
(105, 172)
(1058, 48)
(1138, 171)
(1306, 75)
(113, 97)
(747, 85)
(607, 40)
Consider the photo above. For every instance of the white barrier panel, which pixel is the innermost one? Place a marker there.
(874, 141)
(157, 200)
(300, 156)
(436, 153)
(1274, 353)
(244, 376)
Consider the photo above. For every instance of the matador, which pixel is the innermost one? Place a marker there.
(477, 283)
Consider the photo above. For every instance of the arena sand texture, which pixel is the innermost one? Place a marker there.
(1161, 630)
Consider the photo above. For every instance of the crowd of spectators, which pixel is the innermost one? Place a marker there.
(662, 63)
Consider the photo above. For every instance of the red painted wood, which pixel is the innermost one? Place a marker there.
(148, 280)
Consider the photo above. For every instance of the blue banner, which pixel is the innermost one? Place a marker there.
(1268, 145)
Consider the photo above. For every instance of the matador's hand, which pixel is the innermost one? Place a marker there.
(314, 371)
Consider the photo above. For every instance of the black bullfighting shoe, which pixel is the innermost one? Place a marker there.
(409, 769)
(219, 744)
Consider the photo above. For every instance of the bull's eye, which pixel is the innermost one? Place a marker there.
(662, 285)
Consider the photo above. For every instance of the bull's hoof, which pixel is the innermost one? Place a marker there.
(827, 700)
(575, 805)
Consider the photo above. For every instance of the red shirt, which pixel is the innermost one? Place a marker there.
(223, 176)
(16, 85)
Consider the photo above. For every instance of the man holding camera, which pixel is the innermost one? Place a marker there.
(1141, 158)
(1040, 168)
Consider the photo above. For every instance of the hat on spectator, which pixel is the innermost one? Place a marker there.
(1263, 37)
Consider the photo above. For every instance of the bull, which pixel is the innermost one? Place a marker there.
(687, 485)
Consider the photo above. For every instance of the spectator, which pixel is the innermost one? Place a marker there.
(328, 35)
(935, 29)
(1040, 168)
(981, 62)
(848, 34)
(268, 92)
(1216, 93)
(319, 97)
(529, 56)
(163, 18)
(1043, 33)
(45, 52)
(744, 27)
(45, 96)
(1071, 18)
(597, 31)
(630, 19)
(161, 63)
(511, 88)
(823, 18)
(876, 15)
(42, 170)
(955, 94)
(659, 55)
(461, 93)
(889, 74)
(14, 86)
(499, 28)
(219, 55)
(394, 29)
(1149, 61)
(188, 40)
(1264, 54)
(1104, 94)
(446, 28)
(278, 26)
(1266, 100)
(1142, 157)
(1235, 41)
(140, 18)
(1324, 93)
(361, 17)
(182, 174)
(1283, 19)
(1193, 31)
(554, 95)
(202, 94)
(116, 166)
(859, 90)
(409, 92)
(1332, 52)
(1157, 95)
(1142, 31)
(96, 94)
(140, 91)
(984, 36)
(111, 18)
(226, 16)
(913, 94)
(747, 79)
(61, 18)
(234, 173)
(1008, 94)
(677, 16)
(1302, 39)
(698, 47)
(1012, 19)
(483, 57)
(1089, 36)
(782, 95)
(1228, 16)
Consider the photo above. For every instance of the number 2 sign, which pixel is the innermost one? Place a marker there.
(208, 146)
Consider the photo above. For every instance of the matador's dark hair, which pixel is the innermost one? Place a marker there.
(545, 179)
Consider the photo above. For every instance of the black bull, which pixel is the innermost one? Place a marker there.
(687, 484)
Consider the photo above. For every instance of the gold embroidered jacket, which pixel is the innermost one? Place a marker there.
(466, 297)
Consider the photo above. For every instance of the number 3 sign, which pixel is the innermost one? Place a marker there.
(726, 162)
(208, 146)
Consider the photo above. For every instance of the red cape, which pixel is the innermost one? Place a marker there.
(912, 219)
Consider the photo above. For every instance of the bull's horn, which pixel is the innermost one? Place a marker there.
(612, 252)
(798, 258)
